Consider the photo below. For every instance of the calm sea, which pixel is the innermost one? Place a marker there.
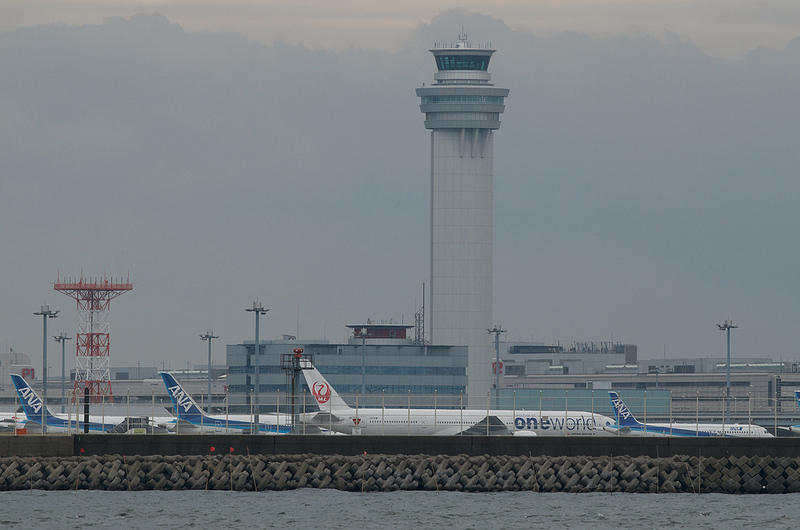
(321, 509)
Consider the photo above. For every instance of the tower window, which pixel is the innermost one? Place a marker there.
(462, 62)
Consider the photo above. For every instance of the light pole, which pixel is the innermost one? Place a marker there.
(45, 313)
(363, 362)
(497, 330)
(656, 371)
(208, 336)
(259, 310)
(62, 338)
(727, 326)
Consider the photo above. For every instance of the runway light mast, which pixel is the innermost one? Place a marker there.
(497, 330)
(63, 338)
(727, 327)
(45, 313)
(208, 336)
(259, 310)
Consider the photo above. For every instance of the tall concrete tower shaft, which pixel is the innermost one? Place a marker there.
(462, 109)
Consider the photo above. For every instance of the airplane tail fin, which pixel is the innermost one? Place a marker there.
(797, 397)
(323, 392)
(31, 402)
(185, 407)
(622, 414)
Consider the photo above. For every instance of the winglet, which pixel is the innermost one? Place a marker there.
(622, 414)
(185, 406)
(31, 402)
(323, 392)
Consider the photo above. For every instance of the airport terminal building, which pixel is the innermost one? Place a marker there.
(758, 385)
(379, 364)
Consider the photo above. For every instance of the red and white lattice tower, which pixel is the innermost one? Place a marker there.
(93, 296)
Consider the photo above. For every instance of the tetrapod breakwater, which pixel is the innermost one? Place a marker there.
(373, 473)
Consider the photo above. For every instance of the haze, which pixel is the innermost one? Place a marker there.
(645, 180)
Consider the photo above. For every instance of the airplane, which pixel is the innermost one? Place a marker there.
(339, 417)
(11, 422)
(627, 424)
(190, 419)
(35, 412)
(796, 428)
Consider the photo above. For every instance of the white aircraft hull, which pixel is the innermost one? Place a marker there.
(335, 415)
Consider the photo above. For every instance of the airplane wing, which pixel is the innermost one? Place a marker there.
(322, 419)
(9, 425)
(180, 426)
(616, 429)
(496, 427)
(137, 422)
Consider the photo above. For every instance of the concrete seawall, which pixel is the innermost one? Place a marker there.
(98, 444)
(375, 463)
(368, 473)
(140, 444)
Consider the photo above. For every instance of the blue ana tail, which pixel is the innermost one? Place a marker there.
(622, 414)
(797, 397)
(185, 407)
(31, 403)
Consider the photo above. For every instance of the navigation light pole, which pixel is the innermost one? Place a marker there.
(62, 338)
(45, 313)
(497, 330)
(208, 336)
(259, 310)
(727, 326)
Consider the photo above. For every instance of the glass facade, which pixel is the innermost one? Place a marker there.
(416, 390)
(394, 370)
(251, 370)
(496, 100)
(463, 62)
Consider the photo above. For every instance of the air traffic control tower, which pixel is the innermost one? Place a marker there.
(462, 109)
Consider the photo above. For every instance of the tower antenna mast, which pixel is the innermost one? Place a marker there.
(92, 345)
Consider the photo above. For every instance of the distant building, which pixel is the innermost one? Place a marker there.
(523, 359)
(378, 364)
(534, 369)
(14, 362)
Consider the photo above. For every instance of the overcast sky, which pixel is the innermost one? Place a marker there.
(645, 172)
(725, 28)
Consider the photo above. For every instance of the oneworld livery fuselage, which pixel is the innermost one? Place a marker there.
(627, 424)
(34, 410)
(335, 414)
(191, 419)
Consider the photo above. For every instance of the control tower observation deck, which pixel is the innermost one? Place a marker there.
(462, 109)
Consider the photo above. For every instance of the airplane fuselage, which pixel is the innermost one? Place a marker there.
(231, 424)
(453, 422)
(693, 429)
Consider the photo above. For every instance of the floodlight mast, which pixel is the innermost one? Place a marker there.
(62, 338)
(727, 327)
(208, 336)
(45, 313)
(259, 310)
(497, 330)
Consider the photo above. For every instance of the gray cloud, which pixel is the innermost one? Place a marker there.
(644, 190)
